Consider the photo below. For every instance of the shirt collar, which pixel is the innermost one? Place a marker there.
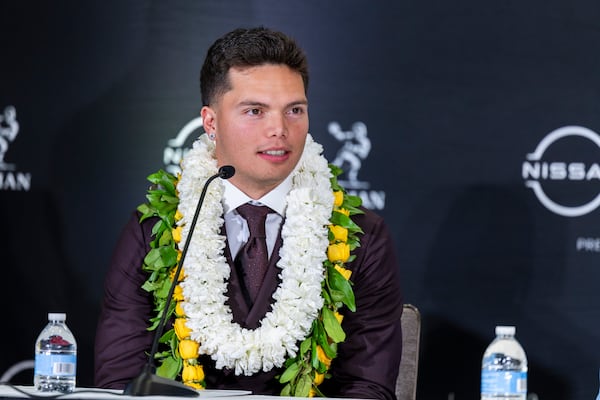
(275, 199)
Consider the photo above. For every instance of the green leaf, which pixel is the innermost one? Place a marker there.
(165, 338)
(158, 227)
(355, 210)
(290, 373)
(161, 257)
(167, 182)
(337, 296)
(155, 177)
(335, 171)
(286, 391)
(151, 286)
(314, 356)
(153, 198)
(305, 346)
(326, 295)
(354, 243)
(339, 284)
(145, 210)
(162, 178)
(170, 199)
(323, 341)
(303, 386)
(165, 238)
(151, 258)
(332, 326)
(169, 368)
(162, 354)
(154, 325)
(167, 211)
(337, 218)
(163, 290)
(352, 202)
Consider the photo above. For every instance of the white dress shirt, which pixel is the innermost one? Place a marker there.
(236, 225)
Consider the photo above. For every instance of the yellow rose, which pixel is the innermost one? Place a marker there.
(178, 293)
(178, 215)
(192, 373)
(181, 329)
(339, 232)
(338, 198)
(338, 316)
(323, 357)
(319, 378)
(338, 252)
(176, 233)
(188, 349)
(344, 211)
(312, 392)
(194, 385)
(345, 272)
(181, 274)
(179, 309)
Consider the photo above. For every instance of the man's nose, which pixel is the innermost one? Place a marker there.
(277, 125)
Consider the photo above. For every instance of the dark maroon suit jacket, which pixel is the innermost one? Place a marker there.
(367, 362)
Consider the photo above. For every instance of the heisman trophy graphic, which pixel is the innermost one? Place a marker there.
(356, 146)
(9, 128)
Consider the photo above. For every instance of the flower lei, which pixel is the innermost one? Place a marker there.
(302, 330)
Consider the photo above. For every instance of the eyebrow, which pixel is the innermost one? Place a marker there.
(265, 105)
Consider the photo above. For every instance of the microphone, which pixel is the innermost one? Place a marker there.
(226, 172)
(147, 383)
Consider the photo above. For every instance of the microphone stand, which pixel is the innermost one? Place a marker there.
(147, 383)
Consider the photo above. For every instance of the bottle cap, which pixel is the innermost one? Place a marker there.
(57, 317)
(505, 330)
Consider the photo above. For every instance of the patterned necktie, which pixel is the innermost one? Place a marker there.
(253, 256)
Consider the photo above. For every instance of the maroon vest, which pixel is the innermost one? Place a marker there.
(246, 314)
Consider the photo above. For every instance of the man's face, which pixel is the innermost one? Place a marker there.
(260, 126)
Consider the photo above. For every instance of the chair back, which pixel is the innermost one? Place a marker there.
(406, 383)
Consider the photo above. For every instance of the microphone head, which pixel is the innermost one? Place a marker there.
(226, 171)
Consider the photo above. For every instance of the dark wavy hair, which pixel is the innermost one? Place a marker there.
(247, 48)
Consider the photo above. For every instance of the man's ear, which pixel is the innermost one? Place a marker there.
(209, 119)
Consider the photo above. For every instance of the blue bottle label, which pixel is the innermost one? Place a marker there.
(55, 364)
(506, 382)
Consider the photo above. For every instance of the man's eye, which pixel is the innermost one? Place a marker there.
(253, 111)
(297, 110)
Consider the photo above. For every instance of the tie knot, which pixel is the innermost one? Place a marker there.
(255, 216)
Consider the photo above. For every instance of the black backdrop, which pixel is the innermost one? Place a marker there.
(452, 99)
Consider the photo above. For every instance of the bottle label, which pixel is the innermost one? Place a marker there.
(505, 382)
(55, 364)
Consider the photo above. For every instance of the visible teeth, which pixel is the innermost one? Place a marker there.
(275, 152)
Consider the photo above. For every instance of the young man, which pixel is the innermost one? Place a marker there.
(244, 323)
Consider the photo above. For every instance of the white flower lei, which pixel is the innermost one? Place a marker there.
(298, 297)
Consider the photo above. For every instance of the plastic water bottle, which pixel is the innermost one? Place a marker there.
(598, 397)
(55, 356)
(504, 368)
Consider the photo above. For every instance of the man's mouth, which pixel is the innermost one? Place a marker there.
(274, 152)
